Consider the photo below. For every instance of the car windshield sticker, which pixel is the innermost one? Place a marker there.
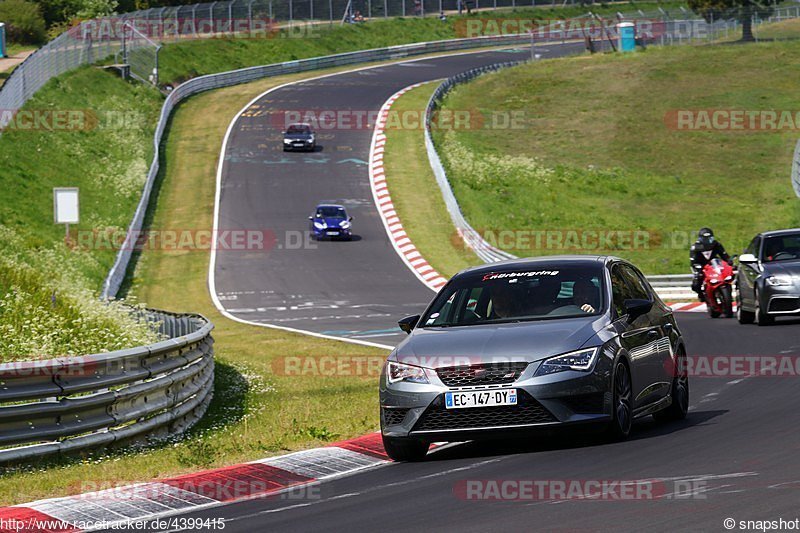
(516, 275)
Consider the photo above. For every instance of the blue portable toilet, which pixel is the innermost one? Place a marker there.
(3, 40)
(627, 36)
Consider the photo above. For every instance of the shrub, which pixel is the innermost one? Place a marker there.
(24, 21)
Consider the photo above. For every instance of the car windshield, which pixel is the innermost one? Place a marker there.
(295, 128)
(523, 294)
(782, 248)
(331, 212)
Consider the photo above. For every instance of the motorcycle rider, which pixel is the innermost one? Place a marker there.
(704, 249)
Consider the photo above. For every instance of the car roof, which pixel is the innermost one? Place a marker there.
(537, 262)
(299, 124)
(331, 205)
(779, 232)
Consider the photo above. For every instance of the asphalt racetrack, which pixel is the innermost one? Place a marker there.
(737, 455)
(355, 289)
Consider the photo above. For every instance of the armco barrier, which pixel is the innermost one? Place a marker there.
(235, 77)
(673, 286)
(61, 406)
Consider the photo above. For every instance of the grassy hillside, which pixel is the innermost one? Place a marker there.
(180, 61)
(48, 289)
(596, 151)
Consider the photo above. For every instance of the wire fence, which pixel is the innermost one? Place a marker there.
(134, 39)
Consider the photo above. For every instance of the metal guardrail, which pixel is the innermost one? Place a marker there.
(60, 406)
(485, 251)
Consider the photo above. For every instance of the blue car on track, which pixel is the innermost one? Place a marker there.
(331, 220)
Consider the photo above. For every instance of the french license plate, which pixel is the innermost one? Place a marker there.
(480, 398)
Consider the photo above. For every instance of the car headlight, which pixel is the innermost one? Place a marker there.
(582, 361)
(344, 224)
(778, 281)
(714, 280)
(287, 141)
(728, 278)
(319, 225)
(310, 139)
(401, 372)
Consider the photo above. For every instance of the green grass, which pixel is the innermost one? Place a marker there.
(47, 287)
(14, 49)
(594, 151)
(183, 60)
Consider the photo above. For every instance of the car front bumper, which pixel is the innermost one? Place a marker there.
(781, 299)
(563, 398)
(332, 233)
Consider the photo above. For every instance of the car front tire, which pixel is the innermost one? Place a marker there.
(742, 315)
(405, 449)
(622, 421)
(762, 318)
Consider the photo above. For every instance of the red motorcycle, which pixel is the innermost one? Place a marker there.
(718, 288)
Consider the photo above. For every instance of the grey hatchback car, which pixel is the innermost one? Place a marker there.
(768, 279)
(533, 343)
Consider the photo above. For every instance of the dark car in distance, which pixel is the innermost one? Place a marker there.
(533, 343)
(299, 137)
(768, 279)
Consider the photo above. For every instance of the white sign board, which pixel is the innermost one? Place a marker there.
(65, 205)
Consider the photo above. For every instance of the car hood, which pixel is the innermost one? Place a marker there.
(783, 268)
(331, 222)
(521, 341)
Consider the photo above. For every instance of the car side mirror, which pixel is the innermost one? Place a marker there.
(350, 219)
(408, 323)
(748, 258)
(636, 308)
(310, 218)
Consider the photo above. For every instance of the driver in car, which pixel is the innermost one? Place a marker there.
(503, 305)
(585, 296)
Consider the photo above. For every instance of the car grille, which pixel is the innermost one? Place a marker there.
(394, 415)
(584, 403)
(784, 304)
(527, 411)
(485, 374)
